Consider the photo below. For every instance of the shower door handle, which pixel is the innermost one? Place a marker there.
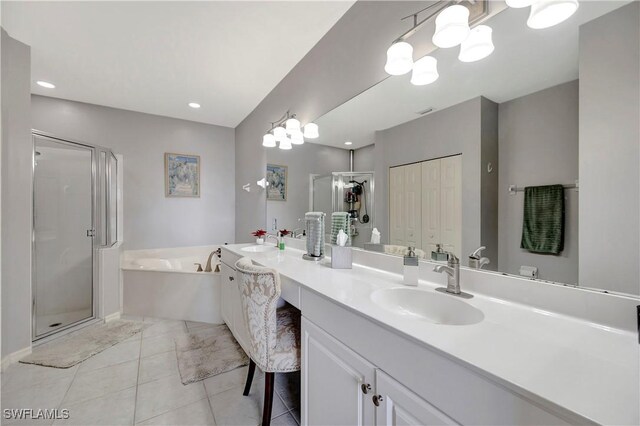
(91, 233)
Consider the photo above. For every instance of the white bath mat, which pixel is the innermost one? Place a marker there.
(76, 347)
(207, 353)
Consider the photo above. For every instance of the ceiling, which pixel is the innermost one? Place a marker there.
(156, 57)
(524, 61)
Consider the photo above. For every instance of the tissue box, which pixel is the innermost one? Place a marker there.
(341, 257)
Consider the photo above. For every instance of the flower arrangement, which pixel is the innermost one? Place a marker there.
(259, 233)
(284, 232)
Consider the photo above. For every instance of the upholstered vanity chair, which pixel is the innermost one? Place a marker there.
(274, 333)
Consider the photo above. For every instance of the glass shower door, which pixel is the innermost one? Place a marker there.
(63, 235)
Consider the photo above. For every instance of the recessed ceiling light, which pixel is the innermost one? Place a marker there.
(348, 143)
(46, 84)
(194, 105)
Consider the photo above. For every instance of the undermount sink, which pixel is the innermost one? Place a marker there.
(426, 305)
(258, 248)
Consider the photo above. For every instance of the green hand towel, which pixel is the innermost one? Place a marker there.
(543, 219)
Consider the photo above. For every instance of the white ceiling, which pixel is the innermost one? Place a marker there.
(156, 57)
(524, 61)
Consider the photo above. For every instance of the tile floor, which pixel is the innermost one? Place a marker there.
(137, 382)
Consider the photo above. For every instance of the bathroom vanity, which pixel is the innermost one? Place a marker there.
(375, 351)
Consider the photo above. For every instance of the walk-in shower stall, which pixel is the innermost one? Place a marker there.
(74, 214)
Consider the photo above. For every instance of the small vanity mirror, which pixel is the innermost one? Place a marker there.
(531, 152)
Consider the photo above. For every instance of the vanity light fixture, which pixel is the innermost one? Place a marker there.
(45, 84)
(268, 140)
(194, 105)
(297, 137)
(452, 29)
(311, 131)
(287, 131)
(292, 125)
(280, 133)
(452, 26)
(478, 45)
(285, 144)
(425, 71)
(348, 143)
(547, 13)
(399, 58)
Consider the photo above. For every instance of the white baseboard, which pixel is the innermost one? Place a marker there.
(14, 357)
(113, 316)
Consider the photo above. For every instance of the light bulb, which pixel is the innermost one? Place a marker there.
(46, 84)
(269, 140)
(297, 138)
(279, 133)
(425, 71)
(311, 131)
(292, 125)
(452, 26)
(517, 4)
(547, 13)
(285, 143)
(399, 58)
(478, 45)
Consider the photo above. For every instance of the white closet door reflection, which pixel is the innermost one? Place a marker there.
(63, 235)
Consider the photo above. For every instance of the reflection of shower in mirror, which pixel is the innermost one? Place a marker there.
(351, 192)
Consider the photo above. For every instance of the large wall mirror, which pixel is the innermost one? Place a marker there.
(532, 153)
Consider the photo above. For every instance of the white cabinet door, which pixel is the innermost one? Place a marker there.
(226, 296)
(451, 204)
(400, 406)
(430, 205)
(240, 330)
(413, 205)
(396, 206)
(232, 310)
(332, 380)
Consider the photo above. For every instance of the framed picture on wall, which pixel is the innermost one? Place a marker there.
(277, 182)
(181, 175)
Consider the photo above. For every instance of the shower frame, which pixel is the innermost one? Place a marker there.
(100, 200)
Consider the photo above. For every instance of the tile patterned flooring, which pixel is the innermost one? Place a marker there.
(137, 382)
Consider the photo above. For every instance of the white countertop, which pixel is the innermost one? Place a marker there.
(591, 370)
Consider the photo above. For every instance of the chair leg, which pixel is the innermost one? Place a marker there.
(269, 379)
(252, 369)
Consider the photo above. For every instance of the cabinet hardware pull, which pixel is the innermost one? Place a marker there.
(377, 399)
(231, 278)
(366, 387)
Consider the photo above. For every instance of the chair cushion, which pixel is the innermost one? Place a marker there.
(286, 355)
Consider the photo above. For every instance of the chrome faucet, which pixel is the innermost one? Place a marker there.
(274, 237)
(208, 267)
(453, 276)
(476, 260)
(295, 234)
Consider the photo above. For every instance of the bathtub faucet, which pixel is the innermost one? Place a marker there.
(208, 267)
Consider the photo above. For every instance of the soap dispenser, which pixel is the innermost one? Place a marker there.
(439, 255)
(411, 268)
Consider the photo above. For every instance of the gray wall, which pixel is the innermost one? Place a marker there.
(610, 151)
(489, 189)
(152, 220)
(364, 159)
(538, 143)
(16, 195)
(346, 61)
(455, 130)
(301, 161)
